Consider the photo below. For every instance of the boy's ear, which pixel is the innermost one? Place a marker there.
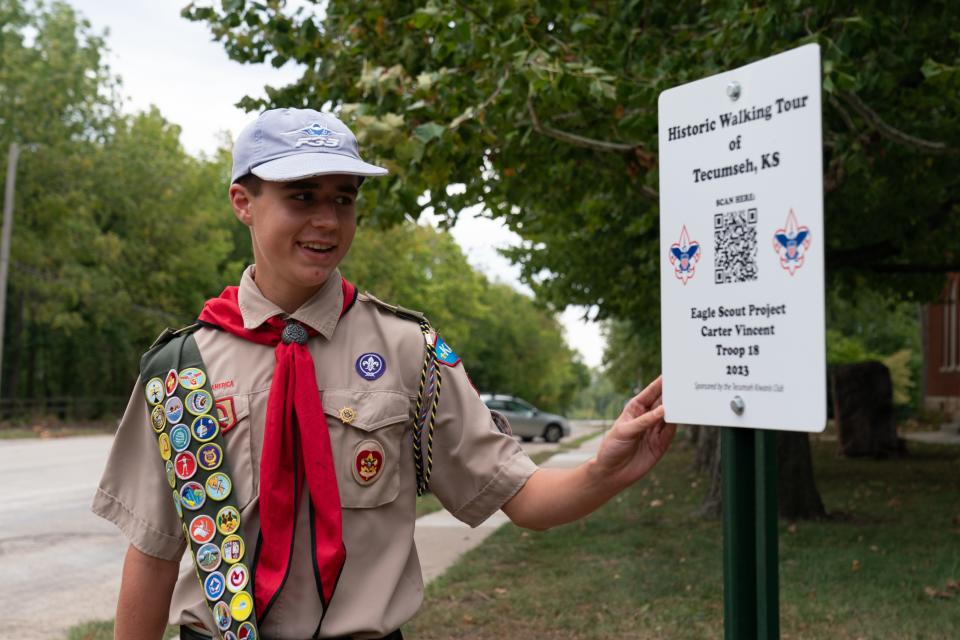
(240, 200)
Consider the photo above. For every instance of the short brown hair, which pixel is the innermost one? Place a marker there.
(251, 183)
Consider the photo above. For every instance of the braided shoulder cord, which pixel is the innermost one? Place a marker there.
(426, 413)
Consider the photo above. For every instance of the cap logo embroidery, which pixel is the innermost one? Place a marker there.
(316, 135)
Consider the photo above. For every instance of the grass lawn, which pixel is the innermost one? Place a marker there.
(644, 567)
(103, 630)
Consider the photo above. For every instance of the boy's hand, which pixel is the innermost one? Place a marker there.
(637, 440)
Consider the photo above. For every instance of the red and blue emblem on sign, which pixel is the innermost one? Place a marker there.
(445, 353)
(791, 243)
(684, 256)
(371, 366)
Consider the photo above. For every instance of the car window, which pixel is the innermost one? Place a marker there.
(519, 407)
(498, 405)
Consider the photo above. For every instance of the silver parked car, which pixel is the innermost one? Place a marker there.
(527, 421)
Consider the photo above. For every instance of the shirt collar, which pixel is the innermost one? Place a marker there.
(320, 313)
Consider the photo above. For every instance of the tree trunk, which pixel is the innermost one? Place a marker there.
(797, 490)
(863, 410)
(707, 461)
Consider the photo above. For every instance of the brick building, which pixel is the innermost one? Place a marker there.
(942, 351)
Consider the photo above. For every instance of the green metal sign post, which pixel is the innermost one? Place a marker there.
(751, 584)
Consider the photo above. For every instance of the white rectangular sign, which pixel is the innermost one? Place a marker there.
(741, 239)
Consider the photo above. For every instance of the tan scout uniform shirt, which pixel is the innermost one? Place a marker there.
(476, 469)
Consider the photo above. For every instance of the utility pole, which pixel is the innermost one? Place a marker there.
(5, 239)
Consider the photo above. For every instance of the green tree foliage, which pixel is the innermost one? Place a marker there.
(118, 232)
(547, 113)
(508, 344)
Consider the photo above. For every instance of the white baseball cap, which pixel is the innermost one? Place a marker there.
(283, 145)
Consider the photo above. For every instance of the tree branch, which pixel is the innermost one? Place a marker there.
(471, 112)
(577, 140)
(892, 133)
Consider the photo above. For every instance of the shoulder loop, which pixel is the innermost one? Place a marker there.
(397, 310)
(167, 351)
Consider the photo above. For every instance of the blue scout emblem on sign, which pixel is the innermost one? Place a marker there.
(228, 520)
(371, 366)
(192, 495)
(154, 391)
(221, 615)
(209, 456)
(214, 585)
(231, 549)
(192, 378)
(173, 408)
(158, 418)
(204, 428)
(445, 354)
(180, 437)
(199, 402)
(684, 256)
(237, 577)
(208, 557)
(791, 243)
(218, 486)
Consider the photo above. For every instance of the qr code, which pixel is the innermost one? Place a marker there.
(735, 246)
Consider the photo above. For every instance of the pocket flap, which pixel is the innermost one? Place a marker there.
(366, 410)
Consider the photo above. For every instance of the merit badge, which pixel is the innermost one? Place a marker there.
(173, 408)
(170, 382)
(158, 418)
(204, 428)
(237, 577)
(791, 243)
(228, 520)
(347, 415)
(226, 414)
(164, 442)
(370, 366)
(241, 606)
(684, 256)
(218, 486)
(214, 585)
(247, 632)
(229, 635)
(202, 529)
(221, 615)
(208, 557)
(176, 504)
(367, 462)
(192, 378)
(445, 354)
(185, 465)
(232, 549)
(154, 390)
(192, 495)
(209, 456)
(180, 437)
(171, 476)
(199, 402)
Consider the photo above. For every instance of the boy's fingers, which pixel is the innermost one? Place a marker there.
(643, 422)
(644, 400)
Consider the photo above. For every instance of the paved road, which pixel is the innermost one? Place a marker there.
(59, 563)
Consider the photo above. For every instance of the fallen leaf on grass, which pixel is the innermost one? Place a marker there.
(855, 565)
(894, 503)
(656, 503)
(933, 592)
(500, 591)
(792, 528)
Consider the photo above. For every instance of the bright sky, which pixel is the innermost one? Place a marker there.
(170, 62)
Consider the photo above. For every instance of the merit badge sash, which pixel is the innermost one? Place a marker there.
(184, 418)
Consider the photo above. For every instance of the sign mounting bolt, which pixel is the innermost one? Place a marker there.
(738, 405)
(733, 90)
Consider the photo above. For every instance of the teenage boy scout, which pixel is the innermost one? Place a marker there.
(284, 437)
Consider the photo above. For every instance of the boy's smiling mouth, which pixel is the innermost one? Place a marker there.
(317, 247)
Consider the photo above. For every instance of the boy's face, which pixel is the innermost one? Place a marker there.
(300, 230)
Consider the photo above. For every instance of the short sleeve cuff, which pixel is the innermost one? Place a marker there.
(139, 533)
(509, 479)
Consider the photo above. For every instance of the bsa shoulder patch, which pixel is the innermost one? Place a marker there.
(445, 354)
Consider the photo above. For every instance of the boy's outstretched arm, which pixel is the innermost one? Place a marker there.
(637, 440)
(145, 591)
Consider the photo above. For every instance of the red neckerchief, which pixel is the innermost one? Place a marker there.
(296, 440)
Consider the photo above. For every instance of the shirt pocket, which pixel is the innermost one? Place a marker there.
(366, 434)
(233, 413)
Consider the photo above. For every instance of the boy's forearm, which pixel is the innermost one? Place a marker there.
(552, 497)
(145, 592)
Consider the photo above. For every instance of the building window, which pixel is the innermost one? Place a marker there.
(950, 360)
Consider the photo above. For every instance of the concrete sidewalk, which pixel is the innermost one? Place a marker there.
(441, 539)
